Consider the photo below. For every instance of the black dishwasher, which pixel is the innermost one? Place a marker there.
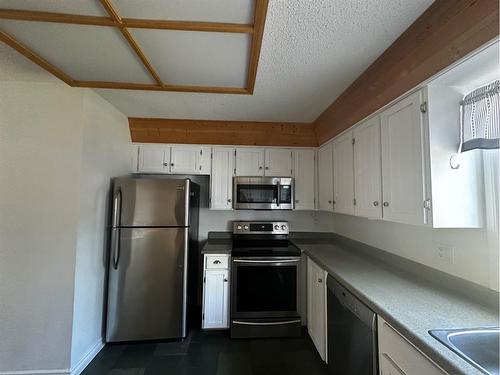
(352, 333)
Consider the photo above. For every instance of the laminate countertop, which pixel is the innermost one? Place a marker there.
(411, 297)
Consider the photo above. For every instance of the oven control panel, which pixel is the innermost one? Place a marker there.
(260, 227)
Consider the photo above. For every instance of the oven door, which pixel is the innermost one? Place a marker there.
(263, 193)
(265, 287)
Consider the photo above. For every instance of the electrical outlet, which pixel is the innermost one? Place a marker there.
(445, 253)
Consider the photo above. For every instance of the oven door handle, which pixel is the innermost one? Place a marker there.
(266, 261)
(266, 323)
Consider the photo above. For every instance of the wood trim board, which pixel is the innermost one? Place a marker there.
(255, 30)
(248, 133)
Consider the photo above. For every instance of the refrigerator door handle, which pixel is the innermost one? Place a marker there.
(115, 234)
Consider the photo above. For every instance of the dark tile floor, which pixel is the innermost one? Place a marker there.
(210, 353)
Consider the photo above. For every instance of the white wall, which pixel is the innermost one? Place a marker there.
(59, 146)
(106, 152)
(40, 151)
(418, 243)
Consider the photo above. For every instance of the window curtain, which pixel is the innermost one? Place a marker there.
(480, 128)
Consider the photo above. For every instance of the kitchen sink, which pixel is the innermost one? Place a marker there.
(478, 346)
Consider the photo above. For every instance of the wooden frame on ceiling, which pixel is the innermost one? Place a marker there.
(255, 30)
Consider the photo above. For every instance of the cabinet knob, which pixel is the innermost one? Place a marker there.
(171, 164)
(386, 204)
(260, 167)
(375, 203)
(267, 168)
(229, 200)
(320, 280)
(330, 202)
(225, 280)
(296, 201)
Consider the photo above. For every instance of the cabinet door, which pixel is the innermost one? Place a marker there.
(343, 174)
(402, 161)
(154, 159)
(184, 159)
(325, 178)
(278, 162)
(205, 160)
(216, 298)
(367, 169)
(221, 179)
(316, 306)
(249, 161)
(303, 173)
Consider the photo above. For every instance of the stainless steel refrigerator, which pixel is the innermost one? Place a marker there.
(154, 230)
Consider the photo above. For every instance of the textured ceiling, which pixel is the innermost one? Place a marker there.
(311, 51)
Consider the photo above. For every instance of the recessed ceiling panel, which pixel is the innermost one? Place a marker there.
(92, 53)
(84, 7)
(197, 58)
(232, 11)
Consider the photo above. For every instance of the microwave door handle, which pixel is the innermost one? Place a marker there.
(278, 195)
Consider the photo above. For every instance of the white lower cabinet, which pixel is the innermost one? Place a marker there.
(215, 291)
(316, 306)
(397, 356)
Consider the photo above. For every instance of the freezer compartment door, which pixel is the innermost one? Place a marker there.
(148, 202)
(147, 286)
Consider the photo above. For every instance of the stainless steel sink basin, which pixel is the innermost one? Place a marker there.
(478, 346)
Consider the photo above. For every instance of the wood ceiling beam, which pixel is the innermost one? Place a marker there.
(188, 25)
(37, 59)
(258, 24)
(153, 87)
(28, 15)
(131, 40)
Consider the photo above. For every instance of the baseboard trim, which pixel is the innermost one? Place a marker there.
(37, 372)
(87, 358)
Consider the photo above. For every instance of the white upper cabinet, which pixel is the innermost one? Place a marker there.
(325, 178)
(205, 160)
(154, 159)
(278, 162)
(249, 161)
(304, 167)
(221, 181)
(402, 132)
(367, 169)
(184, 159)
(343, 174)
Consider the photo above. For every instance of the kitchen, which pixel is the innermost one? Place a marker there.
(334, 213)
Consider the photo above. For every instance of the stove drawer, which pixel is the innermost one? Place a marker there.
(216, 261)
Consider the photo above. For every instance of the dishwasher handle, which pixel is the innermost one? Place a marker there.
(353, 304)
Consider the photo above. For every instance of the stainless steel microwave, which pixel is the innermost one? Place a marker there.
(263, 193)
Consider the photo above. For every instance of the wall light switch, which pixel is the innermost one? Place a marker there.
(445, 253)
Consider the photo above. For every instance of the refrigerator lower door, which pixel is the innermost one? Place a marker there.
(147, 287)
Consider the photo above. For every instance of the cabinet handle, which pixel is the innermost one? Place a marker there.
(267, 168)
(330, 202)
(320, 280)
(225, 280)
(216, 262)
(171, 164)
(386, 204)
(375, 203)
(165, 164)
(229, 200)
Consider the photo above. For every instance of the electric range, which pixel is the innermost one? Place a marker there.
(265, 281)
